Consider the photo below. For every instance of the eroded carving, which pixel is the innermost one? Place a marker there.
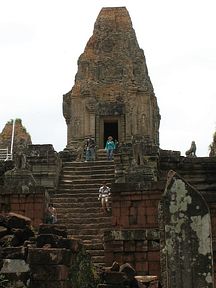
(192, 151)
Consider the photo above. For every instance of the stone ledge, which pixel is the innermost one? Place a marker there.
(124, 235)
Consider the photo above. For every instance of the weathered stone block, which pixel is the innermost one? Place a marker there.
(14, 220)
(16, 280)
(111, 285)
(3, 231)
(141, 245)
(128, 271)
(55, 229)
(14, 266)
(49, 256)
(9, 240)
(129, 246)
(13, 252)
(72, 244)
(50, 284)
(44, 239)
(23, 234)
(113, 277)
(49, 272)
(185, 226)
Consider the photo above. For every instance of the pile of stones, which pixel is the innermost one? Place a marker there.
(125, 276)
(16, 233)
(15, 229)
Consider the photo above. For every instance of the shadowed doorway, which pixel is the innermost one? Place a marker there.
(110, 129)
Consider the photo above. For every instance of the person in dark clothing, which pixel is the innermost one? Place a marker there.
(90, 149)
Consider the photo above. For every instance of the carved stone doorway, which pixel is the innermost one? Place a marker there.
(109, 126)
(110, 129)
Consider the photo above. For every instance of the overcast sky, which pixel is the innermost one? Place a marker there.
(40, 42)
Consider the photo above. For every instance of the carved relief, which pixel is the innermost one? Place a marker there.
(192, 151)
(67, 107)
(137, 146)
(90, 104)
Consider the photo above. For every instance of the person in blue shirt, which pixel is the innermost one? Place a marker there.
(110, 147)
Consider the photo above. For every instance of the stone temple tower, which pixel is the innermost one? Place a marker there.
(112, 94)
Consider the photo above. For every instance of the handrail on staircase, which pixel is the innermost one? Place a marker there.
(5, 155)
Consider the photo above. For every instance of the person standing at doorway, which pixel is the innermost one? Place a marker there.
(104, 193)
(110, 147)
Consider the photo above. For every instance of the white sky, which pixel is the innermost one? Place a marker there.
(40, 42)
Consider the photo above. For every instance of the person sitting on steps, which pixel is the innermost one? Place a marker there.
(51, 217)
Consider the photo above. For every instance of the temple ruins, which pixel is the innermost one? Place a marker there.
(161, 229)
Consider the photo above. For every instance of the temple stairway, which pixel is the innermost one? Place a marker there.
(77, 203)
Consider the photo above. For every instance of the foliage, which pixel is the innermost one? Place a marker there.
(82, 272)
(211, 146)
(3, 281)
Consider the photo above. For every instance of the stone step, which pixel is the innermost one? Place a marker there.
(86, 237)
(89, 164)
(77, 203)
(85, 181)
(84, 205)
(74, 178)
(80, 203)
(97, 216)
(89, 175)
(91, 228)
(86, 190)
(76, 197)
(93, 241)
(95, 253)
(83, 185)
(100, 170)
(78, 209)
(98, 260)
(87, 234)
(74, 194)
(93, 246)
(82, 220)
(70, 189)
(79, 189)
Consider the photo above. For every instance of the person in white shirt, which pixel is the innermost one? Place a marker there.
(104, 193)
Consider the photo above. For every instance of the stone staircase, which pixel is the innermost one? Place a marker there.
(77, 203)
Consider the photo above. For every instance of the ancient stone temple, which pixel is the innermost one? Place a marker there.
(160, 227)
(113, 94)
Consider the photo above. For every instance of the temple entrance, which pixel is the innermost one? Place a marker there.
(108, 126)
(110, 129)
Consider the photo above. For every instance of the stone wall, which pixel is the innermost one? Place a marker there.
(29, 205)
(45, 165)
(46, 259)
(135, 236)
(135, 208)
